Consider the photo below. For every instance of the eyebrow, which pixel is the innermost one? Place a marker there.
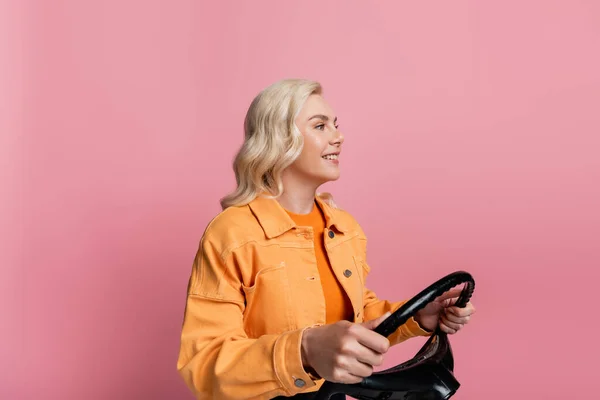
(323, 117)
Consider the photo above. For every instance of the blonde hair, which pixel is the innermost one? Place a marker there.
(272, 142)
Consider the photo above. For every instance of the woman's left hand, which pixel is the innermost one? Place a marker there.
(443, 312)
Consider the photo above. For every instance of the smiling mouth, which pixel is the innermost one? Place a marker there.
(331, 157)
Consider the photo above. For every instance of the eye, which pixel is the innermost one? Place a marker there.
(320, 127)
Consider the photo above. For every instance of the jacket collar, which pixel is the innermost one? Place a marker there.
(275, 221)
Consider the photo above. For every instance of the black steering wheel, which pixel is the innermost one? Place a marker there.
(429, 375)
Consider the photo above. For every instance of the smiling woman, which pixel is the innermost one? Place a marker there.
(276, 299)
(284, 142)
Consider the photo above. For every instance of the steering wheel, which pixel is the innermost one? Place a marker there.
(429, 375)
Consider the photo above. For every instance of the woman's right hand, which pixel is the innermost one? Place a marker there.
(344, 352)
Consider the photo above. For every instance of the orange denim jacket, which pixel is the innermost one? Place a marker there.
(254, 288)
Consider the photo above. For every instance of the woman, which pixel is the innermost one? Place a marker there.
(277, 299)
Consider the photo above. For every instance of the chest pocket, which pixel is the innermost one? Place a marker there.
(268, 302)
(362, 268)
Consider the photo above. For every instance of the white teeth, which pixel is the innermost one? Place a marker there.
(331, 157)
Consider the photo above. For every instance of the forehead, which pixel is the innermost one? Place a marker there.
(315, 104)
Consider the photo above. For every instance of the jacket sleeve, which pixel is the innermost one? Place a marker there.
(217, 360)
(373, 307)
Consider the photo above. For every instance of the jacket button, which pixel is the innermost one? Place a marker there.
(347, 273)
(299, 383)
(331, 234)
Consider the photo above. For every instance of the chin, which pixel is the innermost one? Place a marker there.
(330, 178)
(323, 178)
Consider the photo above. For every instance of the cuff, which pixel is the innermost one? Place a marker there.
(412, 328)
(287, 361)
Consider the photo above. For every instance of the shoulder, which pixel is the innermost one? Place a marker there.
(350, 222)
(230, 227)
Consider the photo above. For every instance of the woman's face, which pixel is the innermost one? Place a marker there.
(319, 161)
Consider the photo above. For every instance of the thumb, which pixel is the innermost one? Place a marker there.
(372, 324)
(452, 293)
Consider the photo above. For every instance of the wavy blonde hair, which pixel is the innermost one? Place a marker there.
(272, 142)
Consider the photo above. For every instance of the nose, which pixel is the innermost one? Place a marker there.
(338, 138)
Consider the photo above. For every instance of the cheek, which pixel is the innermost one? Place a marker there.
(312, 149)
(313, 146)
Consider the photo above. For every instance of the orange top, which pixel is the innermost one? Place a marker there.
(338, 305)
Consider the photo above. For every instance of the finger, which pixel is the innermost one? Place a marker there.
(369, 357)
(466, 311)
(379, 320)
(360, 369)
(373, 340)
(347, 367)
(349, 364)
(447, 329)
(456, 319)
(344, 376)
(454, 292)
(374, 323)
(352, 378)
(450, 324)
(452, 301)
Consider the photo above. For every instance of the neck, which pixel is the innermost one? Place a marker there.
(298, 197)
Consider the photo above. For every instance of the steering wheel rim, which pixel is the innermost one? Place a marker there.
(426, 296)
(411, 307)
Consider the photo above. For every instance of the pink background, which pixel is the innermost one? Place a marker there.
(472, 142)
